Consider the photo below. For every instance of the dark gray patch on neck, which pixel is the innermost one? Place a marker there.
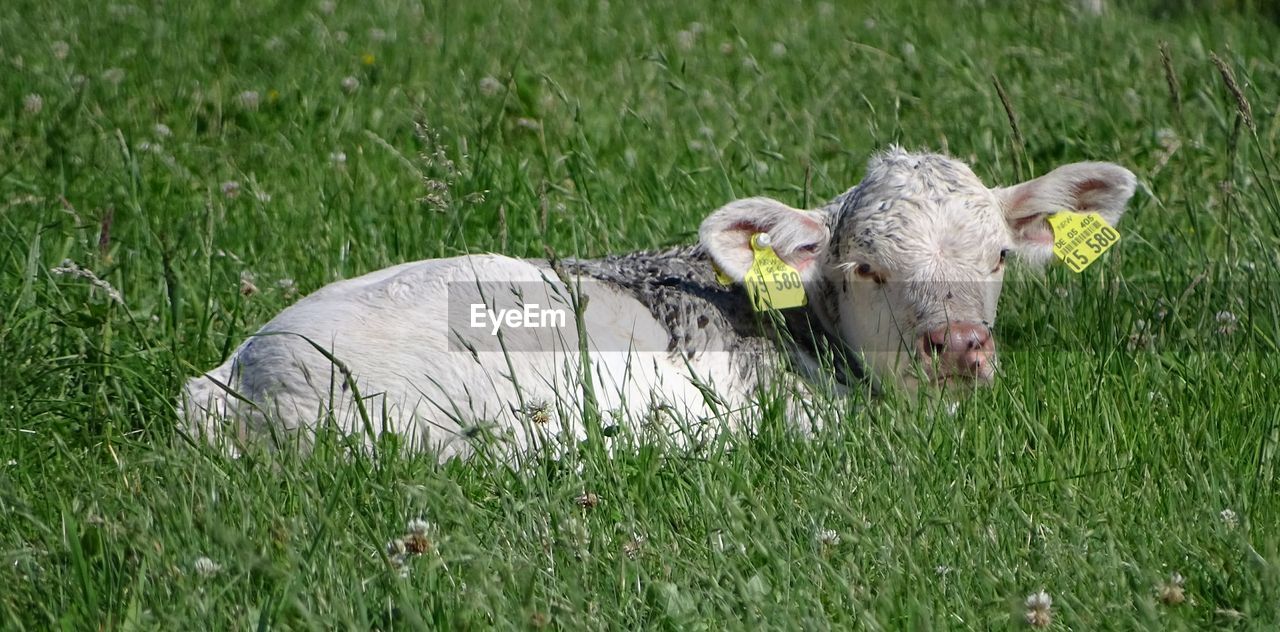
(680, 289)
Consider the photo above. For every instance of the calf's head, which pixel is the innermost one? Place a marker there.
(907, 267)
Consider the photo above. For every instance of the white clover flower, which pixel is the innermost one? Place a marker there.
(1226, 322)
(230, 188)
(489, 86)
(826, 9)
(338, 158)
(396, 547)
(418, 526)
(826, 537)
(1229, 518)
(726, 48)
(377, 35)
(696, 28)
(908, 50)
(340, 37)
(587, 500)
(778, 49)
(32, 104)
(113, 76)
(162, 130)
(530, 124)
(206, 567)
(632, 547)
(685, 40)
(1039, 613)
(247, 288)
(869, 23)
(327, 7)
(350, 84)
(1173, 592)
(274, 44)
(60, 49)
(750, 63)
(249, 99)
(629, 156)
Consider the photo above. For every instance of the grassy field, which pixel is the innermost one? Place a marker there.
(173, 174)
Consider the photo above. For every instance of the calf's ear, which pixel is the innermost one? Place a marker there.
(799, 237)
(1083, 187)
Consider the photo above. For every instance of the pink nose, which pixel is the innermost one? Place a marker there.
(960, 350)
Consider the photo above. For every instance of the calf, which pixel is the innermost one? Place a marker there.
(902, 274)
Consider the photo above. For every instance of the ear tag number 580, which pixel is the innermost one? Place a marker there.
(1080, 238)
(771, 283)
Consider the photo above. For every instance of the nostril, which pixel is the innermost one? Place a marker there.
(936, 347)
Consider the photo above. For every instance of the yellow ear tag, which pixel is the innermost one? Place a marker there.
(1080, 238)
(721, 277)
(771, 283)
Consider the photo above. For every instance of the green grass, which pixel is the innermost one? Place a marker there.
(1094, 470)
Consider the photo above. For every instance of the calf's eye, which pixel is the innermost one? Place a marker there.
(864, 270)
(1004, 254)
